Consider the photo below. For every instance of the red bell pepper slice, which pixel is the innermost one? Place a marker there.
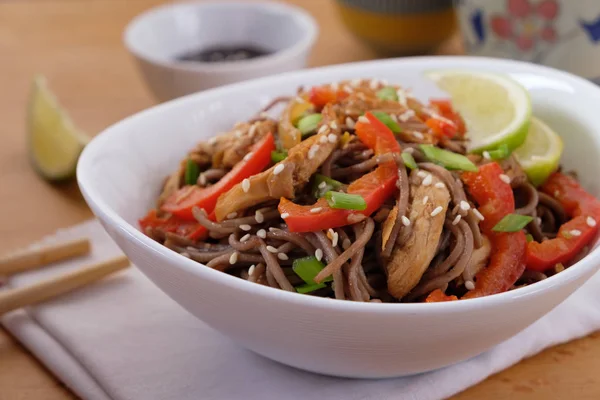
(375, 187)
(189, 229)
(182, 201)
(441, 128)
(578, 204)
(496, 200)
(321, 95)
(445, 109)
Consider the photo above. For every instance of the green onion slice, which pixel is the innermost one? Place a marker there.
(345, 201)
(529, 238)
(500, 153)
(307, 268)
(448, 159)
(309, 123)
(323, 184)
(409, 160)
(308, 288)
(278, 155)
(387, 93)
(388, 121)
(512, 223)
(192, 172)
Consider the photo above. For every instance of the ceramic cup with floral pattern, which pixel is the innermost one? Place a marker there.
(564, 34)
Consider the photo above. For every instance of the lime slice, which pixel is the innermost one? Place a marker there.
(54, 144)
(496, 108)
(540, 154)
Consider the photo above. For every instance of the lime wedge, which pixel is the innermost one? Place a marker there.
(496, 108)
(54, 144)
(540, 154)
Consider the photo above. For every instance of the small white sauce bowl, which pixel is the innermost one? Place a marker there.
(159, 36)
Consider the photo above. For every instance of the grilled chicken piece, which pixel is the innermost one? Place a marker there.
(282, 179)
(408, 262)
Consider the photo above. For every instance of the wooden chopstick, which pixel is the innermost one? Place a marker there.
(32, 259)
(12, 299)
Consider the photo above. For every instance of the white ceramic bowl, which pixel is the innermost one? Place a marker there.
(121, 171)
(157, 37)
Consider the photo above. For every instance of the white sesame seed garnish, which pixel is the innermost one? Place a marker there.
(319, 254)
(332, 138)
(316, 210)
(422, 174)
(322, 185)
(251, 270)
(418, 135)
(464, 205)
(406, 115)
(246, 185)
(456, 220)
(323, 129)
(278, 169)
(245, 227)
(323, 139)
(273, 229)
(335, 86)
(285, 215)
(402, 97)
(248, 156)
(245, 237)
(504, 178)
(231, 215)
(350, 123)
(427, 180)
(333, 125)
(486, 155)
(469, 285)
(478, 214)
(259, 217)
(363, 119)
(437, 210)
(283, 256)
(334, 240)
(346, 243)
(233, 257)
(356, 82)
(313, 151)
(374, 84)
(272, 249)
(261, 233)
(440, 185)
(575, 232)
(212, 140)
(590, 221)
(405, 220)
(330, 233)
(425, 200)
(538, 220)
(202, 179)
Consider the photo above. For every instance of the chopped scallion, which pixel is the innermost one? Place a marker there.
(322, 184)
(192, 171)
(409, 160)
(308, 288)
(388, 121)
(308, 124)
(499, 153)
(529, 238)
(448, 159)
(278, 155)
(307, 268)
(387, 93)
(345, 201)
(512, 223)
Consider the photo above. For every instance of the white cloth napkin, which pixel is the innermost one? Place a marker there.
(124, 339)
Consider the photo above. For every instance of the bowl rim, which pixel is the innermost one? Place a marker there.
(107, 214)
(309, 36)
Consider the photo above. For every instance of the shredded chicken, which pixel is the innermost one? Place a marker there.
(410, 260)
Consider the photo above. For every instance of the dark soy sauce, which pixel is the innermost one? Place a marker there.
(224, 54)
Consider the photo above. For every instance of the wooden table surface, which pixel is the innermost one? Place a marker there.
(77, 45)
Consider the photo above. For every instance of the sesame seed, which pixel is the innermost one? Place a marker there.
(356, 82)
(259, 217)
(456, 220)
(334, 240)
(440, 185)
(273, 229)
(283, 256)
(319, 254)
(346, 243)
(251, 270)
(285, 215)
(202, 179)
(245, 237)
(405, 220)
(323, 139)
(332, 138)
(330, 233)
(401, 97)
(278, 169)
(316, 210)
(406, 115)
(272, 249)
(322, 185)
(575, 232)
(486, 155)
(231, 215)
(350, 122)
(335, 86)
(363, 119)
(261, 234)
(185, 254)
(422, 174)
(437, 210)
(425, 199)
(464, 205)
(538, 220)
(252, 130)
(313, 151)
(246, 185)
(504, 178)
(333, 125)
(590, 221)
(427, 180)
(418, 135)
(469, 285)
(245, 227)
(323, 129)
(212, 140)
(478, 214)
(248, 156)
(374, 84)
(233, 257)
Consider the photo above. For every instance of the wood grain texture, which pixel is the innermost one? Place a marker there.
(77, 45)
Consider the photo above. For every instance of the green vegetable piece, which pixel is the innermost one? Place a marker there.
(192, 172)
(307, 268)
(388, 121)
(308, 288)
(387, 93)
(278, 155)
(409, 160)
(322, 184)
(448, 159)
(500, 153)
(345, 201)
(529, 238)
(512, 223)
(308, 124)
